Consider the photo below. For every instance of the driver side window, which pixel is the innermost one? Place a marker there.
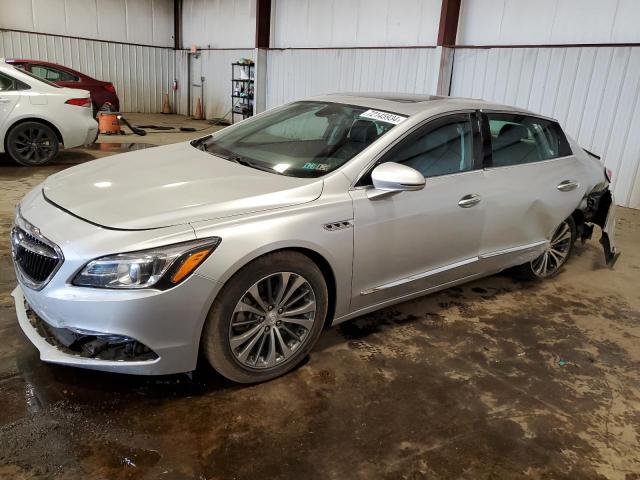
(441, 147)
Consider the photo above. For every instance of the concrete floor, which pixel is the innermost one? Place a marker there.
(494, 379)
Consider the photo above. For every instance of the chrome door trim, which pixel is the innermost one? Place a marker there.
(519, 248)
(418, 276)
(518, 112)
(427, 179)
(539, 162)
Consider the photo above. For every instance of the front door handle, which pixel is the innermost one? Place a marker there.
(567, 185)
(469, 200)
(5, 100)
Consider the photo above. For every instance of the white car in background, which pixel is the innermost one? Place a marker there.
(37, 116)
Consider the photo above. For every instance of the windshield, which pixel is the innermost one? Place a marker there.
(21, 69)
(302, 139)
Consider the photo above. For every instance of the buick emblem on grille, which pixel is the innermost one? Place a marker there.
(36, 259)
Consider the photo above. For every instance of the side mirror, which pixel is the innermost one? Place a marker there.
(393, 177)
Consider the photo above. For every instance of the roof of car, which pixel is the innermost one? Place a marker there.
(412, 104)
(42, 62)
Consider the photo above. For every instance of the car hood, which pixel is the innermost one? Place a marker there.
(171, 185)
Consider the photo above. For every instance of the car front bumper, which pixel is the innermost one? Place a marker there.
(167, 322)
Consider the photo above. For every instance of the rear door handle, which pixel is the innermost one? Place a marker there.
(469, 200)
(5, 100)
(567, 185)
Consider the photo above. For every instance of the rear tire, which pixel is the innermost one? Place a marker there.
(32, 143)
(551, 261)
(248, 340)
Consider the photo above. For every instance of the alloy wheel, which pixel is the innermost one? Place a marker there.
(556, 253)
(34, 145)
(272, 320)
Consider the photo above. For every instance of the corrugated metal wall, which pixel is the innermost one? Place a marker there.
(293, 74)
(216, 68)
(592, 91)
(219, 23)
(355, 23)
(148, 22)
(320, 42)
(516, 22)
(142, 75)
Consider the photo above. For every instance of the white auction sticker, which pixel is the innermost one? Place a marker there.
(383, 116)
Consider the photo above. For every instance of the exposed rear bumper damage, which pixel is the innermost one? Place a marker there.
(599, 209)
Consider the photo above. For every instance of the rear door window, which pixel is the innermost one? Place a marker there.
(519, 139)
(8, 84)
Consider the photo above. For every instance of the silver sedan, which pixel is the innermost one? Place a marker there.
(245, 244)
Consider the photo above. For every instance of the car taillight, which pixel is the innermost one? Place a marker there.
(79, 102)
(608, 173)
(110, 88)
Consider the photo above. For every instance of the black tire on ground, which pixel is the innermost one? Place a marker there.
(215, 335)
(528, 272)
(32, 143)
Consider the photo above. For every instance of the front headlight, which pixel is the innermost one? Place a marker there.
(161, 267)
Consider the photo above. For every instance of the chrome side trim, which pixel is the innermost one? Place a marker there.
(451, 266)
(408, 296)
(419, 276)
(514, 249)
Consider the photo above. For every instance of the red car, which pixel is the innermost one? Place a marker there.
(101, 92)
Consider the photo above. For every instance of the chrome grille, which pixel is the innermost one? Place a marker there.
(36, 259)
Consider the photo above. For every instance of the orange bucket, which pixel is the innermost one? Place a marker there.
(108, 123)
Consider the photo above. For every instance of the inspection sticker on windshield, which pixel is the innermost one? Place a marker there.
(323, 167)
(383, 116)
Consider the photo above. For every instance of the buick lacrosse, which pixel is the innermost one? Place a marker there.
(242, 245)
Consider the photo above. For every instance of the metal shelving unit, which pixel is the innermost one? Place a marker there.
(242, 89)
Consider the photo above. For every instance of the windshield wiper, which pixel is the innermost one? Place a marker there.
(225, 154)
(249, 163)
(200, 143)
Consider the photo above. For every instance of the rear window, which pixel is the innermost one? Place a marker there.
(35, 77)
(53, 74)
(519, 139)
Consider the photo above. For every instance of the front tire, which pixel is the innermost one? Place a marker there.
(32, 143)
(549, 263)
(266, 318)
